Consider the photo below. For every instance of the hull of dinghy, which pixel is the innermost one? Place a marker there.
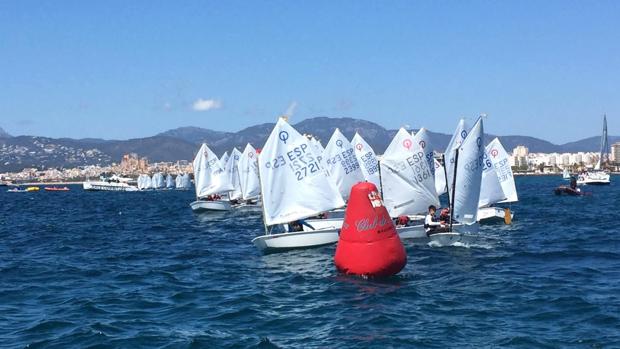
(297, 240)
(205, 206)
(488, 215)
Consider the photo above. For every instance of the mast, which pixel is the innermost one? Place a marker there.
(604, 144)
(456, 162)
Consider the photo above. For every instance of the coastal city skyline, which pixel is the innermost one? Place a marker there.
(75, 71)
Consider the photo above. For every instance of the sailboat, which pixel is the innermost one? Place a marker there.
(598, 176)
(182, 182)
(465, 185)
(248, 177)
(566, 174)
(232, 171)
(407, 181)
(170, 184)
(367, 159)
(294, 187)
(497, 186)
(340, 161)
(144, 182)
(158, 181)
(211, 182)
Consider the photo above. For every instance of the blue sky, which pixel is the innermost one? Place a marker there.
(123, 69)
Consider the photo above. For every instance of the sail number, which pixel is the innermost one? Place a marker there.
(370, 163)
(298, 160)
(346, 159)
(418, 165)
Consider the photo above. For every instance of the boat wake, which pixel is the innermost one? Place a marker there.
(463, 244)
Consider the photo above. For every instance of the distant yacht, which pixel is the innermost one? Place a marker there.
(114, 183)
(598, 176)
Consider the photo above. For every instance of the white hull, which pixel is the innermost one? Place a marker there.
(445, 239)
(417, 232)
(108, 186)
(492, 214)
(295, 240)
(322, 224)
(248, 207)
(205, 206)
(594, 178)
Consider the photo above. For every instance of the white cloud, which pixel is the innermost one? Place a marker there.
(206, 104)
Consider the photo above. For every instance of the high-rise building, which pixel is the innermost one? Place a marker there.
(615, 153)
(520, 151)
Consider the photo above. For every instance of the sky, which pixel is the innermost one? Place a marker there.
(127, 69)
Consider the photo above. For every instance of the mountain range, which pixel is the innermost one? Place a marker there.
(18, 152)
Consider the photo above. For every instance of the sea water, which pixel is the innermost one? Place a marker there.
(130, 270)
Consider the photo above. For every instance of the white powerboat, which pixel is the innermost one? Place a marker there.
(114, 183)
(594, 178)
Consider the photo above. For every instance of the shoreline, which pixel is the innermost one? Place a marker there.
(32, 184)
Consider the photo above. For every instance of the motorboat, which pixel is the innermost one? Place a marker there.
(56, 188)
(113, 183)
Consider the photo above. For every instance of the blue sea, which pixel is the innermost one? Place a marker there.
(140, 270)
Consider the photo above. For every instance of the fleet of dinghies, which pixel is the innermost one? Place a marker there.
(301, 188)
(159, 182)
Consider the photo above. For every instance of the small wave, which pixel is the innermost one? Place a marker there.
(460, 244)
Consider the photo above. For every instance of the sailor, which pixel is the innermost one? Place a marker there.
(298, 226)
(573, 183)
(431, 226)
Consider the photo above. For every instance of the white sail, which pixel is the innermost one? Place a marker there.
(440, 178)
(422, 142)
(144, 182)
(367, 159)
(406, 179)
(158, 181)
(501, 163)
(248, 173)
(469, 175)
(342, 164)
(318, 150)
(491, 191)
(293, 183)
(603, 154)
(178, 182)
(209, 177)
(183, 181)
(224, 160)
(170, 181)
(449, 155)
(232, 171)
(148, 182)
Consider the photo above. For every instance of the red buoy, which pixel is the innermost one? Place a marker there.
(369, 244)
